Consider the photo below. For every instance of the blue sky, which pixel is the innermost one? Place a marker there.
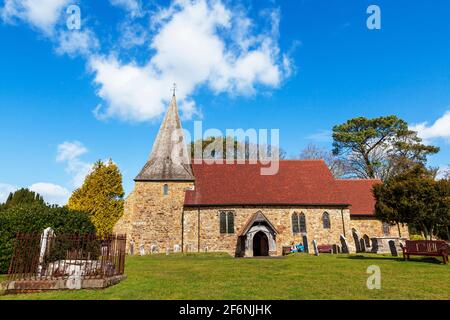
(70, 97)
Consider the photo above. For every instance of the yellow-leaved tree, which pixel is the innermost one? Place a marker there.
(101, 195)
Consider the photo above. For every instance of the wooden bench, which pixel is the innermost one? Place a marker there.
(286, 250)
(325, 248)
(426, 248)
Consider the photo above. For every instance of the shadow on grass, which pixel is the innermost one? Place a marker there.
(398, 259)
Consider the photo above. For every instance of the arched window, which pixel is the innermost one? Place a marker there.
(226, 219)
(386, 228)
(302, 222)
(166, 189)
(326, 220)
(230, 222)
(295, 225)
(298, 223)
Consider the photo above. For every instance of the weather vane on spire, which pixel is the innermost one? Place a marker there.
(174, 88)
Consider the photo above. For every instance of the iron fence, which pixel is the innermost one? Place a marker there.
(49, 257)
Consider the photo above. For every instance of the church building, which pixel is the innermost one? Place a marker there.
(178, 206)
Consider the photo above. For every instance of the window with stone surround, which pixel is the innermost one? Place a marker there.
(326, 220)
(298, 223)
(295, 226)
(166, 189)
(226, 219)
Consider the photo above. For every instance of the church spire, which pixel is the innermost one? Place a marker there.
(169, 159)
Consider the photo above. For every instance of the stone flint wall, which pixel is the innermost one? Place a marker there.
(212, 240)
(152, 218)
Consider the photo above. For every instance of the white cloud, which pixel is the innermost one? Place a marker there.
(52, 193)
(70, 152)
(132, 6)
(195, 43)
(5, 190)
(41, 14)
(439, 129)
(77, 42)
(132, 34)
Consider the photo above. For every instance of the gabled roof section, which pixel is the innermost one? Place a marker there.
(169, 159)
(298, 182)
(358, 192)
(256, 217)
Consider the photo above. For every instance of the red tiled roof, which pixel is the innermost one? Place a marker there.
(359, 194)
(298, 182)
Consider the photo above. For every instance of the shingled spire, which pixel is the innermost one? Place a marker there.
(165, 163)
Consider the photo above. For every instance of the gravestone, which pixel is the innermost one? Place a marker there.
(316, 250)
(335, 248)
(363, 245)
(176, 248)
(73, 282)
(46, 237)
(131, 247)
(153, 248)
(167, 251)
(393, 248)
(142, 250)
(344, 244)
(305, 243)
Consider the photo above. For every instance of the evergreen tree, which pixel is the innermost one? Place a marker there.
(380, 147)
(101, 195)
(23, 196)
(416, 198)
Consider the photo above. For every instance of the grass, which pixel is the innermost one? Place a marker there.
(299, 276)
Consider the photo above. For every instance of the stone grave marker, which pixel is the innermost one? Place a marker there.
(131, 247)
(344, 244)
(316, 250)
(142, 250)
(393, 248)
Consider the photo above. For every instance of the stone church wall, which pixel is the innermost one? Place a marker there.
(152, 218)
(374, 228)
(212, 240)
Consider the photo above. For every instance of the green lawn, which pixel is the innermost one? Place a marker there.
(300, 276)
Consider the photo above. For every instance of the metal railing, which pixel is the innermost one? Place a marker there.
(49, 257)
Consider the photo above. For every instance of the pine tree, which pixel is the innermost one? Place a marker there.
(101, 195)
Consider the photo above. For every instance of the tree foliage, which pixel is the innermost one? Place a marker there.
(416, 198)
(101, 195)
(34, 218)
(23, 196)
(223, 147)
(380, 147)
(337, 165)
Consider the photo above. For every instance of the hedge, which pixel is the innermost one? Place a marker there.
(34, 219)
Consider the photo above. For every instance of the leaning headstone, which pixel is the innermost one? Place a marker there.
(305, 243)
(176, 248)
(142, 250)
(316, 250)
(344, 244)
(393, 248)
